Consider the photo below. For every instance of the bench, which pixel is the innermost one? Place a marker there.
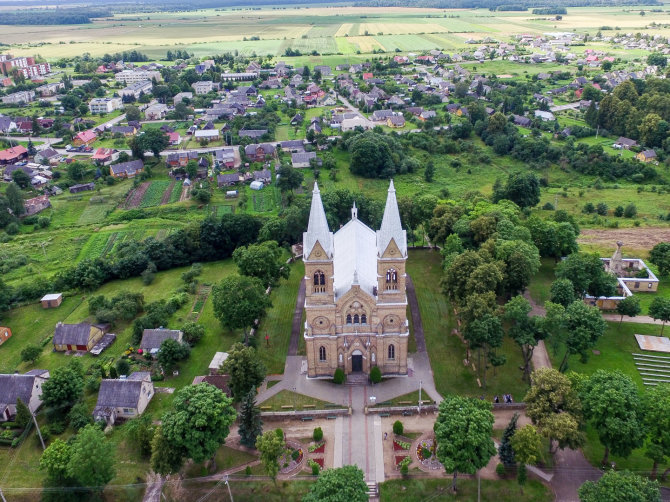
(404, 402)
(385, 403)
(306, 419)
(384, 415)
(287, 407)
(331, 405)
(331, 417)
(309, 406)
(266, 407)
(408, 413)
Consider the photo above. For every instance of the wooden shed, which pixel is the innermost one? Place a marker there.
(52, 300)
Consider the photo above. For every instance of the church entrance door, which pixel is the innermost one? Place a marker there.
(356, 363)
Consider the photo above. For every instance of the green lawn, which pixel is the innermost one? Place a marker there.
(245, 490)
(293, 400)
(412, 490)
(541, 282)
(225, 458)
(446, 351)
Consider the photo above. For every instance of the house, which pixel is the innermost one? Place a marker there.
(227, 180)
(180, 159)
(258, 152)
(79, 337)
(205, 87)
(136, 89)
(47, 156)
(153, 338)
(324, 70)
(156, 112)
(381, 115)
(646, 156)
(396, 121)
(124, 398)
(27, 387)
(522, 121)
(294, 146)
(36, 204)
(354, 122)
(207, 135)
(256, 185)
(624, 143)
(225, 157)
(178, 98)
(265, 175)
(104, 105)
(7, 174)
(105, 156)
(544, 116)
(5, 334)
(126, 131)
(218, 381)
(84, 138)
(83, 187)
(13, 155)
(252, 133)
(126, 169)
(297, 119)
(427, 115)
(174, 138)
(51, 300)
(299, 160)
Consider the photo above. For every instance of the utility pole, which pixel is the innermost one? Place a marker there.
(229, 492)
(39, 433)
(2, 496)
(420, 385)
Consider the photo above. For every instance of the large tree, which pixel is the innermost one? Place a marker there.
(166, 457)
(526, 443)
(657, 420)
(611, 403)
(505, 450)
(270, 445)
(171, 352)
(92, 458)
(251, 425)
(660, 310)
(239, 301)
(524, 330)
(620, 486)
(660, 256)
(263, 261)
(554, 407)
(344, 484)
(463, 433)
(374, 155)
(584, 325)
(485, 333)
(521, 188)
(245, 368)
(629, 306)
(199, 422)
(54, 461)
(153, 140)
(15, 199)
(63, 389)
(587, 274)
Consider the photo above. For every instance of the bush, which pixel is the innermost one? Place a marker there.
(589, 208)
(500, 470)
(404, 470)
(247, 470)
(398, 428)
(315, 468)
(339, 376)
(618, 212)
(375, 374)
(318, 434)
(295, 454)
(12, 228)
(548, 206)
(79, 416)
(630, 211)
(122, 367)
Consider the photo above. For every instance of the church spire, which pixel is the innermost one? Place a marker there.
(391, 227)
(317, 229)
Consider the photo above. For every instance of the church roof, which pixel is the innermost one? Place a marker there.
(355, 260)
(317, 228)
(391, 227)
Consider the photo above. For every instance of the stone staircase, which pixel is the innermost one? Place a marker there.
(357, 379)
(373, 490)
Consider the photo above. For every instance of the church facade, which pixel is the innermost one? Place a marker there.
(355, 300)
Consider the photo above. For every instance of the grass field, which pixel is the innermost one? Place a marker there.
(410, 490)
(332, 30)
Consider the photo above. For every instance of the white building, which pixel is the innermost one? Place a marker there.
(104, 105)
(137, 88)
(19, 97)
(133, 76)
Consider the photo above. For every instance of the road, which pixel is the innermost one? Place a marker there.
(34, 139)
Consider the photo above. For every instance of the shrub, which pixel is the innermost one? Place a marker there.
(79, 416)
(398, 428)
(247, 470)
(601, 209)
(630, 211)
(589, 208)
(375, 374)
(548, 206)
(12, 228)
(318, 434)
(618, 212)
(404, 469)
(315, 468)
(500, 470)
(425, 453)
(122, 367)
(339, 376)
(295, 454)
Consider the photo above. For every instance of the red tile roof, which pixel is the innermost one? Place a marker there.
(13, 153)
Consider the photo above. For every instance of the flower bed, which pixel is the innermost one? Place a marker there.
(290, 459)
(319, 461)
(425, 452)
(400, 458)
(400, 445)
(318, 448)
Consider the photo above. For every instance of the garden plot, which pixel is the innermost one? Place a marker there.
(153, 196)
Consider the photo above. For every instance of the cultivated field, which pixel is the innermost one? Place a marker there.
(327, 30)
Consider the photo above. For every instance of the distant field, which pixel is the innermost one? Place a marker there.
(328, 30)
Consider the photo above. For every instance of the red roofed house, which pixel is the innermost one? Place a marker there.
(367, 76)
(174, 138)
(105, 156)
(84, 138)
(13, 155)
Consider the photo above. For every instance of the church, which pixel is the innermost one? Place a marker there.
(355, 300)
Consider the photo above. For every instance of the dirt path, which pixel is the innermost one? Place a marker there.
(185, 193)
(135, 197)
(166, 196)
(638, 238)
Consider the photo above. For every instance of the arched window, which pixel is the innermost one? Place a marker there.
(322, 353)
(357, 319)
(348, 318)
(391, 279)
(319, 282)
(364, 319)
(391, 351)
